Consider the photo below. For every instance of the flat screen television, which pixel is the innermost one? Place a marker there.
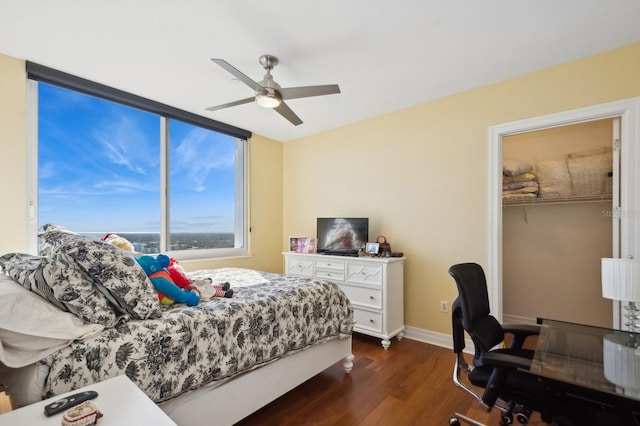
(337, 234)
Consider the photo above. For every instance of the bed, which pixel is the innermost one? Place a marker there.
(242, 352)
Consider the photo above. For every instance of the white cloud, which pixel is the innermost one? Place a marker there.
(198, 154)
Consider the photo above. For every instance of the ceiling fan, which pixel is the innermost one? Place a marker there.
(269, 94)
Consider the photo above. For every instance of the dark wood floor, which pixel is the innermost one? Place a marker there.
(409, 384)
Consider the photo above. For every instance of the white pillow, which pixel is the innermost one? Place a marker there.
(554, 179)
(32, 328)
(511, 167)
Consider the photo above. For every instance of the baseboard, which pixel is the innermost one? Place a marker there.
(427, 336)
(435, 338)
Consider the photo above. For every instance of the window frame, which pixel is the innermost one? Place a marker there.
(38, 73)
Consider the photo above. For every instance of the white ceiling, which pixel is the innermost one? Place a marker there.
(385, 55)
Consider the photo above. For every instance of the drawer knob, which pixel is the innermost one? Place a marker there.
(371, 297)
(371, 321)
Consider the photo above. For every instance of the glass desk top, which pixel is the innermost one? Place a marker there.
(602, 359)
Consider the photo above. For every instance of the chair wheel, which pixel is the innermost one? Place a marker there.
(453, 421)
(506, 419)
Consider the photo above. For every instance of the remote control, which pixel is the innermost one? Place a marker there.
(68, 402)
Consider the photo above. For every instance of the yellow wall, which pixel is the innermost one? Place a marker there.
(265, 168)
(13, 155)
(421, 174)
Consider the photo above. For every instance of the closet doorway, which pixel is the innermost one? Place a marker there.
(553, 238)
(622, 240)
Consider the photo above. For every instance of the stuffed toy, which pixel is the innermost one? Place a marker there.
(168, 291)
(205, 287)
(118, 241)
(179, 275)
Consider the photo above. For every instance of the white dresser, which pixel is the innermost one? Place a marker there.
(375, 287)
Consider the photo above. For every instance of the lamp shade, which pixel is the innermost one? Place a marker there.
(621, 279)
(621, 359)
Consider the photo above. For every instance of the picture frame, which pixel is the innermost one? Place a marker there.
(293, 243)
(303, 244)
(372, 249)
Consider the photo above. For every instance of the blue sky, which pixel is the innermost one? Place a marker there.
(99, 168)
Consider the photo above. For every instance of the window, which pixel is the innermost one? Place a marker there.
(161, 179)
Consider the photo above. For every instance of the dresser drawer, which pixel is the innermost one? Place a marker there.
(329, 274)
(367, 320)
(334, 265)
(364, 273)
(299, 266)
(370, 297)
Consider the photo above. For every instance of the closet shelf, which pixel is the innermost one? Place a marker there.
(559, 200)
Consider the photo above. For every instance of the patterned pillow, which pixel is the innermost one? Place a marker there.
(116, 274)
(53, 236)
(62, 284)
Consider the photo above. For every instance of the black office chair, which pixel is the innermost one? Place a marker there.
(494, 370)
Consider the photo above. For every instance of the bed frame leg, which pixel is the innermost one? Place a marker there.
(348, 363)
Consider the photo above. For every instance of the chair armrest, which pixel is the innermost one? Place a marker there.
(520, 333)
(526, 329)
(503, 364)
(505, 361)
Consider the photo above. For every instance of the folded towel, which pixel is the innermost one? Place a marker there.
(519, 178)
(528, 190)
(517, 196)
(519, 185)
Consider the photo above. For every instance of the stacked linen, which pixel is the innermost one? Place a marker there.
(586, 173)
(518, 180)
(554, 179)
(591, 171)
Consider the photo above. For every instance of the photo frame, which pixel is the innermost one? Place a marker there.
(293, 243)
(372, 249)
(303, 244)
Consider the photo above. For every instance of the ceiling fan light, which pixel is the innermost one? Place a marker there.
(268, 100)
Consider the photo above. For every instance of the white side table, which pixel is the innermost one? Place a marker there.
(119, 400)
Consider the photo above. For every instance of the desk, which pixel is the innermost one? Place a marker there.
(592, 373)
(119, 400)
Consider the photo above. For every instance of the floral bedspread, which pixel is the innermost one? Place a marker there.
(268, 316)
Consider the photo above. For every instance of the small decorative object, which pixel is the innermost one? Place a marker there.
(168, 292)
(372, 249)
(293, 243)
(311, 245)
(84, 414)
(118, 241)
(385, 247)
(303, 244)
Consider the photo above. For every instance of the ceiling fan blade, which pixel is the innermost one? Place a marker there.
(309, 91)
(231, 104)
(284, 110)
(238, 74)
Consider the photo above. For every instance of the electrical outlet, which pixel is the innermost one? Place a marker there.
(444, 306)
